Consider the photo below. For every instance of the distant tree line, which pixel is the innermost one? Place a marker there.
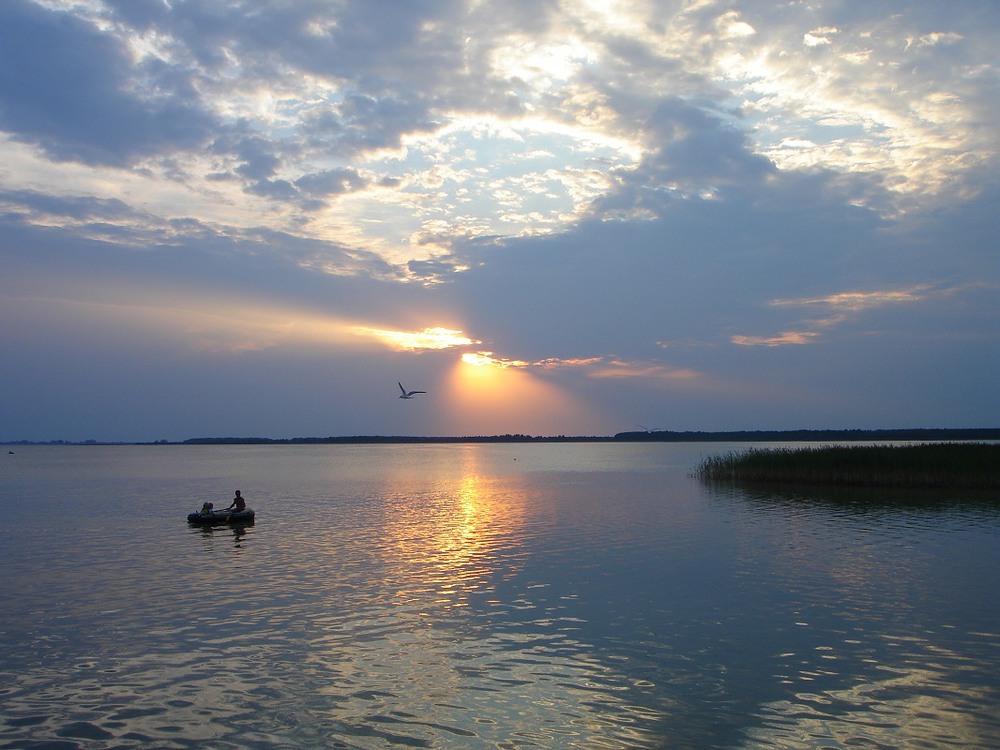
(751, 436)
(654, 436)
(661, 436)
(389, 439)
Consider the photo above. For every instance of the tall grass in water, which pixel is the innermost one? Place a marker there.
(966, 465)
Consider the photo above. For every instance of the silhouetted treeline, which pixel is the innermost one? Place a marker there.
(369, 439)
(655, 436)
(663, 436)
(793, 436)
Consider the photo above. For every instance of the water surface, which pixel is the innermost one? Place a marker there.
(484, 596)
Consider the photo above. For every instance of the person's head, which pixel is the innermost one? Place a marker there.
(237, 493)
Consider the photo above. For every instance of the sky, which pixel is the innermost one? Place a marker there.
(557, 217)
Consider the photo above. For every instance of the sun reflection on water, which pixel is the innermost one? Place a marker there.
(458, 652)
(447, 545)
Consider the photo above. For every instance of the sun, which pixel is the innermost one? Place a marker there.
(493, 396)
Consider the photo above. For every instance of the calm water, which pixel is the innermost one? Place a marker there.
(484, 596)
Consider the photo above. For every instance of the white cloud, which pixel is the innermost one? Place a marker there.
(574, 89)
(935, 38)
(731, 26)
(819, 36)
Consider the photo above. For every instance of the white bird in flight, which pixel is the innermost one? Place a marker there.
(406, 393)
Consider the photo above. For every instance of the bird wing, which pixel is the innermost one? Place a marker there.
(401, 387)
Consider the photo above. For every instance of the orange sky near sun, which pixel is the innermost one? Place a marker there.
(492, 399)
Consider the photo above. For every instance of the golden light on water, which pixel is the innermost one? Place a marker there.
(450, 548)
(447, 550)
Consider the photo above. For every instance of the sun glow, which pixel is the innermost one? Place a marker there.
(187, 319)
(486, 359)
(428, 338)
(489, 395)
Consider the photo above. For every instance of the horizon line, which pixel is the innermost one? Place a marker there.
(793, 435)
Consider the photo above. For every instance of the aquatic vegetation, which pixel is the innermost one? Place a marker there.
(967, 465)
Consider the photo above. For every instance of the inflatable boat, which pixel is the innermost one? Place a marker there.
(221, 516)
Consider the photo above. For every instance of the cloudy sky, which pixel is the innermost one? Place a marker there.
(580, 217)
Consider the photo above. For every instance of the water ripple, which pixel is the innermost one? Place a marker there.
(449, 598)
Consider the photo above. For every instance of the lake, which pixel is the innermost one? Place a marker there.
(552, 595)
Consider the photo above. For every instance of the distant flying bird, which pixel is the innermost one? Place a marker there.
(406, 393)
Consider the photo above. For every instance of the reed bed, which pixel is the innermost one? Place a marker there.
(951, 465)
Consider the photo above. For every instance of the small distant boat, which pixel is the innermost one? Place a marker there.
(215, 517)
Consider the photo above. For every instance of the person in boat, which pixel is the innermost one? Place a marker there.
(239, 504)
(206, 509)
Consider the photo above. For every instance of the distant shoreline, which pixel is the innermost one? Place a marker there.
(656, 436)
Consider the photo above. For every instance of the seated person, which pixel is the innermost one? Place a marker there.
(206, 509)
(238, 504)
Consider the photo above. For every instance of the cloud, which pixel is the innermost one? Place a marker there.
(645, 371)
(819, 36)
(302, 100)
(77, 208)
(796, 338)
(487, 359)
(411, 341)
(332, 182)
(858, 301)
(72, 90)
(843, 307)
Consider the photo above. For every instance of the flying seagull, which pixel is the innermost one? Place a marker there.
(406, 393)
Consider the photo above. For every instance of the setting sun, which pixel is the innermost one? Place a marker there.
(490, 395)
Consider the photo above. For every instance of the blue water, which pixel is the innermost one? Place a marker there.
(484, 596)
